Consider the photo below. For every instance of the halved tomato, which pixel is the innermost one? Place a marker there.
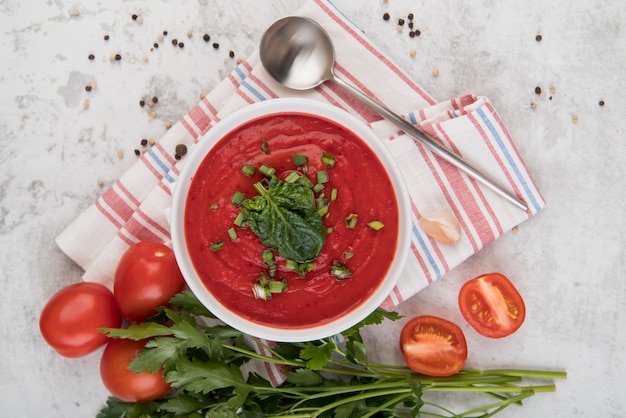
(433, 346)
(492, 305)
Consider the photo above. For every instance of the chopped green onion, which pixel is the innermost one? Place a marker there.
(213, 206)
(248, 170)
(237, 198)
(216, 246)
(299, 159)
(333, 195)
(322, 176)
(348, 255)
(301, 268)
(258, 186)
(261, 292)
(340, 271)
(330, 230)
(232, 234)
(268, 258)
(376, 225)
(292, 177)
(267, 171)
(328, 158)
(265, 147)
(323, 210)
(304, 181)
(278, 286)
(318, 188)
(239, 219)
(351, 220)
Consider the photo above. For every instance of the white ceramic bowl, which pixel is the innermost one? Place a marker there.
(194, 159)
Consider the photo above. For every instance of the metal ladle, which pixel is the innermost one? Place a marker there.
(298, 53)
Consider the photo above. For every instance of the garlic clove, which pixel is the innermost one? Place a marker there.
(441, 226)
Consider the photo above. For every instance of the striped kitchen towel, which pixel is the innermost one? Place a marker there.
(135, 207)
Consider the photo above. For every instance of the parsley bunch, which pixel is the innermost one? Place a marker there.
(331, 377)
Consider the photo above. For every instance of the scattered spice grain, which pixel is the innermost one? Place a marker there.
(515, 229)
(91, 57)
(142, 103)
(575, 119)
(181, 149)
(537, 90)
(137, 152)
(100, 183)
(231, 54)
(164, 33)
(436, 72)
(533, 105)
(87, 88)
(168, 125)
(175, 42)
(601, 103)
(181, 45)
(118, 57)
(153, 114)
(386, 16)
(216, 45)
(189, 34)
(120, 154)
(206, 37)
(400, 22)
(86, 104)
(155, 99)
(75, 11)
(134, 17)
(410, 16)
(552, 89)
(151, 142)
(106, 37)
(140, 20)
(413, 53)
(156, 45)
(144, 142)
(418, 32)
(538, 38)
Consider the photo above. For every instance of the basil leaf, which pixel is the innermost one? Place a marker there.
(284, 217)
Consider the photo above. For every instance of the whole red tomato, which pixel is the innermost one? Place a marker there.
(123, 383)
(433, 346)
(147, 276)
(492, 305)
(70, 320)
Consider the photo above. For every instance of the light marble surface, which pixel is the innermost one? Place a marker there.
(568, 261)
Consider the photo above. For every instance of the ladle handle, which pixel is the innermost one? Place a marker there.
(432, 145)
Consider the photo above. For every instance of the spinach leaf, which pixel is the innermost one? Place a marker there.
(284, 216)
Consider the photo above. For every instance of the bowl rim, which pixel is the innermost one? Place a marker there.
(195, 157)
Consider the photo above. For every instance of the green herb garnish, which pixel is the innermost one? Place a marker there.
(326, 378)
(299, 159)
(340, 271)
(284, 216)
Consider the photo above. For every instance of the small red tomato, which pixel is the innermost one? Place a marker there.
(147, 276)
(433, 346)
(70, 320)
(492, 305)
(123, 383)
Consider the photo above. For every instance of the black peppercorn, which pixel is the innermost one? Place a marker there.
(231, 54)
(144, 142)
(601, 102)
(181, 149)
(134, 17)
(156, 45)
(142, 103)
(206, 37)
(537, 90)
(155, 100)
(87, 88)
(174, 41)
(410, 16)
(137, 152)
(106, 37)
(118, 57)
(538, 38)
(164, 33)
(216, 45)
(91, 56)
(181, 44)
(400, 22)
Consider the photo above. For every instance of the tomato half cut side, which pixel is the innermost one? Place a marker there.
(492, 305)
(433, 346)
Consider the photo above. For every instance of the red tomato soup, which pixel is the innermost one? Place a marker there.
(363, 188)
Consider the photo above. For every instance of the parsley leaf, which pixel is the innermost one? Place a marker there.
(317, 355)
(204, 376)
